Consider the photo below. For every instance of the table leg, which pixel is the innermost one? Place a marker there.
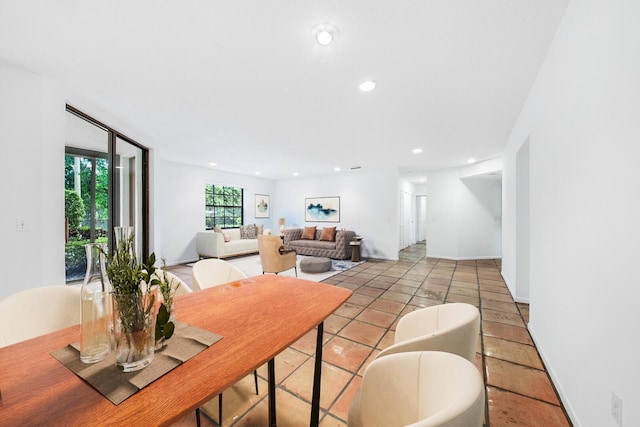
(315, 399)
(271, 366)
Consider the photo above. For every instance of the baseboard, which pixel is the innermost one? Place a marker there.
(522, 300)
(554, 378)
(463, 258)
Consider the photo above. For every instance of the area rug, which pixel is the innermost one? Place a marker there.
(250, 265)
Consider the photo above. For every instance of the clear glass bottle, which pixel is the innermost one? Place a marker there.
(95, 342)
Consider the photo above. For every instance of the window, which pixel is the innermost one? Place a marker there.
(223, 206)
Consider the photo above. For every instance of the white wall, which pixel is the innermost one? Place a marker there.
(582, 121)
(368, 205)
(463, 216)
(32, 125)
(179, 205)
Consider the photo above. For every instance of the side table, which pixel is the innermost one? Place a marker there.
(355, 250)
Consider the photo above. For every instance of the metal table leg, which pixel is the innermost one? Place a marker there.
(315, 400)
(271, 365)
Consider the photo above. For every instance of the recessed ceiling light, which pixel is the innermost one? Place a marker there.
(258, 172)
(417, 150)
(471, 160)
(367, 86)
(423, 179)
(296, 174)
(337, 169)
(213, 164)
(324, 37)
(324, 33)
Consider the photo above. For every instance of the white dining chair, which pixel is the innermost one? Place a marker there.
(182, 287)
(213, 272)
(419, 389)
(454, 328)
(37, 311)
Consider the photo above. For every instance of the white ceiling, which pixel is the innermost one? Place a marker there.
(245, 85)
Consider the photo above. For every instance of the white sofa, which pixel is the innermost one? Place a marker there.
(211, 244)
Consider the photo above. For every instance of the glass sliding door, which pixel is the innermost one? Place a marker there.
(129, 194)
(105, 187)
(86, 191)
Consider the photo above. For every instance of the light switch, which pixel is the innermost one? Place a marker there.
(21, 224)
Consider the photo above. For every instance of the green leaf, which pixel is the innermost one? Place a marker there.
(163, 315)
(168, 330)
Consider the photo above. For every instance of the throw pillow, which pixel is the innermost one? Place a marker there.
(309, 233)
(328, 234)
(259, 230)
(227, 236)
(217, 229)
(248, 231)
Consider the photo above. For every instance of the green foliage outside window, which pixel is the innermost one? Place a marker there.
(78, 209)
(73, 208)
(102, 186)
(223, 206)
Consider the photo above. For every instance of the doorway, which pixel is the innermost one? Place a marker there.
(106, 185)
(421, 223)
(522, 224)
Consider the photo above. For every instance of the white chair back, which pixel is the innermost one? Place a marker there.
(419, 389)
(454, 328)
(182, 288)
(38, 311)
(213, 272)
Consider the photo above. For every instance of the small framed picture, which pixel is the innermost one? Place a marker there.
(262, 205)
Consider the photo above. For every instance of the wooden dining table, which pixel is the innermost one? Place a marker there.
(258, 317)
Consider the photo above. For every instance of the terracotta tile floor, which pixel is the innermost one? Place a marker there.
(519, 391)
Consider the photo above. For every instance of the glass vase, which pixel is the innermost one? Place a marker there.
(134, 329)
(122, 233)
(95, 341)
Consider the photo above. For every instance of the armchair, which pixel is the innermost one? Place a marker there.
(272, 259)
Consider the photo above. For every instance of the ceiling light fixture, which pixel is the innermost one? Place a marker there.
(258, 172)
(367, 86)
(213, 164)
(324, 33)
(471, 160)
(324, 37)
(296, 174)
(337, 169)
(417, 150)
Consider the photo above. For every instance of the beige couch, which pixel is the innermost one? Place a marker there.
(338, 249)
(211, 244)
